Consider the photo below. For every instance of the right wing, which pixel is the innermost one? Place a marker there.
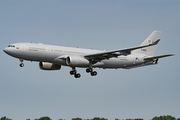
(96, 57)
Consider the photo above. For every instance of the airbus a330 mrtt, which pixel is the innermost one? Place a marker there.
(51, 57)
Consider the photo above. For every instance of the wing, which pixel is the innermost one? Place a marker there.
(96, 57)
(157, 57)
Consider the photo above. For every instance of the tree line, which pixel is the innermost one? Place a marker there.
(168, 117)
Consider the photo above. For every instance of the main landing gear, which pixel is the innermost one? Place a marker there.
(90, 70)
(77, 75)
(21, 65)
(74, 72)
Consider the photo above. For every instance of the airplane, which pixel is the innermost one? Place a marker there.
(51, 57)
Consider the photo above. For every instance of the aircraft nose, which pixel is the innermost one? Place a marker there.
(5, 50)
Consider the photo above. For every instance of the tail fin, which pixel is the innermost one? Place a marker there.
(149, 51)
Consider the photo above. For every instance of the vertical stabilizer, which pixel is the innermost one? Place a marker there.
(149, 51)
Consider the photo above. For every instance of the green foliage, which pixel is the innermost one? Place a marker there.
(168, 117)
(44, 118)
(97, 118)
(76, 118)
(4, 118)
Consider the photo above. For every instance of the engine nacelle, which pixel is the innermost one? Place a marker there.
(49, 66)
(77, 61)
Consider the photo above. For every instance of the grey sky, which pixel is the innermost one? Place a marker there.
(138, 93)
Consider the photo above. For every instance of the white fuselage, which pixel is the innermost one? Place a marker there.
(58, 54)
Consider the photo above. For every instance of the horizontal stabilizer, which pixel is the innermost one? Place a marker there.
(156, 57)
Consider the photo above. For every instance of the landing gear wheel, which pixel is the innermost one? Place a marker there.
(88, 70)
(77, 75)
(73, 72)
(21, 65)
(93, 73)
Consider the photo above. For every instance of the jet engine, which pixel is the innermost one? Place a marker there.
(49, 66)
(77, 61)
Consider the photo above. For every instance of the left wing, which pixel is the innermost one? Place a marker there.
(114, 53)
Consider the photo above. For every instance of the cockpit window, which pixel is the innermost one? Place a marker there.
(11, 46)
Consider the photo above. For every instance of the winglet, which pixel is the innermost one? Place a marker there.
(156, 42)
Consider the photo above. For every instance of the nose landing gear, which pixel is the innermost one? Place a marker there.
(21, 65)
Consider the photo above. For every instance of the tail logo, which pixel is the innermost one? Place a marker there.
(149, 41)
